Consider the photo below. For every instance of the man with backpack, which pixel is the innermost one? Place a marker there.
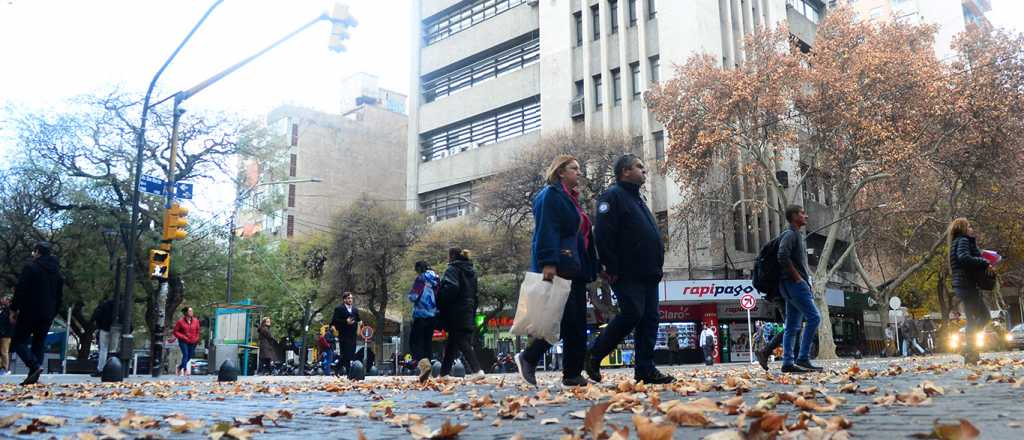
(795, 288)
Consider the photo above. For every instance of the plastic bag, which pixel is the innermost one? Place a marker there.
(540, 307)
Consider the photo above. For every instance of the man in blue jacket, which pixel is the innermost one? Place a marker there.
(630, 249)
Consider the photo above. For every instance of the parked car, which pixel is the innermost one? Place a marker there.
(199, 366)
(1016, 337)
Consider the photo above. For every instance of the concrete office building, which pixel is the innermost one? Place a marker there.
(952, 16)
(361, 150)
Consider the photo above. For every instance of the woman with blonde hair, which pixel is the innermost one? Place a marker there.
(563, 245)
(966, 265)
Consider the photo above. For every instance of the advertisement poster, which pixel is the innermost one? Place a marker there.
(739, 343)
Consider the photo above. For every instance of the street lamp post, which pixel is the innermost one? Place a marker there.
(239, 196)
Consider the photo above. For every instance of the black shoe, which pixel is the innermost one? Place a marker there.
(33, 376)
(593, 368)
(96, 374)
(576, 381)
(655, 377)
(762, 358)
(807, 366)
(793, 368)
(527, 371)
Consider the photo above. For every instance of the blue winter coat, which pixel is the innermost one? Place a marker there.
(424, 304)
(557, 237)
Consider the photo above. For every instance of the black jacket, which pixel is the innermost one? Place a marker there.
(628, 240)
(6, 329)
(103, 316)
(965, 263)
(456, 297)
(39, 293)
(340, 321)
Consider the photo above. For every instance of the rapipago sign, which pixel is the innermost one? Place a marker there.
(708, 290)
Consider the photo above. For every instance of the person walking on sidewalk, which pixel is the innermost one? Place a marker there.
(38, 296)
(103, 318)
(708, 342)
(6, 332)
(631, 251)
(270, 347)
(456, 303)
(187, 332)
(326, 342)
(564, 245)
(966, 265)
(345, 322)
(795, 287)
(424, 321)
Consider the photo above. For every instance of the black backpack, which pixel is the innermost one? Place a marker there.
(766, 270)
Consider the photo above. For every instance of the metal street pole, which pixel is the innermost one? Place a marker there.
(157, 350)
(125, 304)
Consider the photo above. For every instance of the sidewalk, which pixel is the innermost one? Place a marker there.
(989, 397)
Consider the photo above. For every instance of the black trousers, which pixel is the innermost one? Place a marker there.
(573, 332)
(459, 341)
(30, 330)
(977, 315)
(420, 337)
(348, 351)
(638, 310)
(709, 354)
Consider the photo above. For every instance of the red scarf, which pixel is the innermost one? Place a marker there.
(585, 224)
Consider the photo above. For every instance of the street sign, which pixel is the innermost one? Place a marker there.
(366, 332)
(152, 185)
(183, 190)
(895, 303)
(748, 302)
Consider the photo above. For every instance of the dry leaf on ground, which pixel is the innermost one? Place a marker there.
(648, 430)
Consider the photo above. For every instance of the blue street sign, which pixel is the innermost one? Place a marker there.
(183, 190)
(152, 185)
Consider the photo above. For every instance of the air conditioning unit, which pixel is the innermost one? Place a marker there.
(431, 218)
(533, 3)
(462, 212)
(576, 107)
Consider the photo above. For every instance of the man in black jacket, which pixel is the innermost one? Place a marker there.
(631, 252)
(346, 322)
(37, 298)
(103, 318)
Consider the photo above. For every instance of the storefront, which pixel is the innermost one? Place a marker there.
(688, 306)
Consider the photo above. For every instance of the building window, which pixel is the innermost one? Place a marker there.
(291, 226)
(637, 147)
(598, 99)
(293, 164)
(295, 135)
(463, 16)
(595, 20)
(662, 219)
(659, 145)
(808, 9)
(655, 63)
(616, 86)
(613, 6)
(579, 88)
(632, 13)
(446, 203)
(652, 11)
(487, 128)
(578, 20)
(495, 63)
(291, 195)
(634, 79)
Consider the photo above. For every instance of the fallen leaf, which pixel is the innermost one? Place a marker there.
(726, 435)
(51, 420)
(594, 421)
(86, 436)
(648, 430)
(683, 416)
(551, 421)
(111, 432)
(861, 410)
(10, 420)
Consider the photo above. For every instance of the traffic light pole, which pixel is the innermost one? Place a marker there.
(157, 351)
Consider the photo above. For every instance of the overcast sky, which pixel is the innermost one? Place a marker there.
(51, 50)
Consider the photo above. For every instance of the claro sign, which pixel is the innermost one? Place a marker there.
(707, 290)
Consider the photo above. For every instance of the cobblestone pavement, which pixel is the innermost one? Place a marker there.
(990, 397)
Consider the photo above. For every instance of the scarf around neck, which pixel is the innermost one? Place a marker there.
(585, 224)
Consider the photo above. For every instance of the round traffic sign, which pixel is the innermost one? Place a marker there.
(366, 332)
(748, 302)
(895, 303)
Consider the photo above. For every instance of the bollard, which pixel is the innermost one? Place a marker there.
(112, 371)
(227, 372)
(356, 371)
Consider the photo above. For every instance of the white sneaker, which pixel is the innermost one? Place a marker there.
(6, 373)
(477, 376)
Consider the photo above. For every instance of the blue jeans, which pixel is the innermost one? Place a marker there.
(187, 351)
(328, 361)
(799, 307)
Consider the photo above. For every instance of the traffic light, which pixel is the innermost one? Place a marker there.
(175, 222)
(342, 21)
(159, 264)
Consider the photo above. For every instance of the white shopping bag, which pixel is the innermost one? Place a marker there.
(541, 303)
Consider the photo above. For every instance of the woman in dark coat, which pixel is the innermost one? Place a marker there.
(456, 304)
(269, 346)
(564, 245)
(966, 265)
